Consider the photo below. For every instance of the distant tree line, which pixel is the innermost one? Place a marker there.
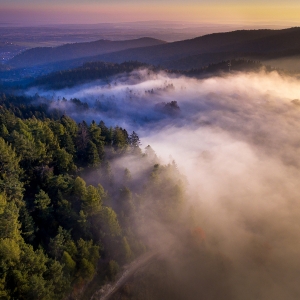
(87, 72)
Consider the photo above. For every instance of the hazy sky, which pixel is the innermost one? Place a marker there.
(200, 11)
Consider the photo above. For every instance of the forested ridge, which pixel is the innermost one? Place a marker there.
(46, 55)
(105, 71)
(86, 73)
(67, 213)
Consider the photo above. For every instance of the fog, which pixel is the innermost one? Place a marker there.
(236, 139)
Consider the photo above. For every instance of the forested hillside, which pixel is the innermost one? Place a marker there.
(73, 200)
(86, 73)
(256, 45)
(213, 48)
(46, 55)
(105, 71)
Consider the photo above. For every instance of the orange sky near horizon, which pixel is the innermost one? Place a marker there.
(91, 12)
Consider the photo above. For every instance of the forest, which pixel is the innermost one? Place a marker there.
(86, 73)
(75, 199)
(104, 71)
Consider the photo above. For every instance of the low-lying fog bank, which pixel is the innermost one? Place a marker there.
(236, 139)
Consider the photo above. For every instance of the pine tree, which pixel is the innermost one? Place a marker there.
(93, 158)
(9, 173)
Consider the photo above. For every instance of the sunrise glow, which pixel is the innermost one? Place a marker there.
(44, 12)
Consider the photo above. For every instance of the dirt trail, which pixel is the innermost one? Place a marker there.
(108, 290)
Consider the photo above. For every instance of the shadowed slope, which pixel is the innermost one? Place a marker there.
(45, 55)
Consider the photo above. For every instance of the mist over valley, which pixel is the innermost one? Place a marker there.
(235, 139)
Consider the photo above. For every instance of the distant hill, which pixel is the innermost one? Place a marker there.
(263, 45)
(255, 44)
(46, 55)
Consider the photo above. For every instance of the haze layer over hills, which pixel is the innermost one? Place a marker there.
(44, 55)
(263, 45)
(200, 51)
(206, 183)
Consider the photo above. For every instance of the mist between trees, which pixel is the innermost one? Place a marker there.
(75, 198)
(222, 211)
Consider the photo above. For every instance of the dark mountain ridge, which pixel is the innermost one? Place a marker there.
(259, 42)
(262, 45)
(45, 55)
(106, 71)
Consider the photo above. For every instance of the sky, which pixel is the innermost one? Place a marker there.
(198, 11)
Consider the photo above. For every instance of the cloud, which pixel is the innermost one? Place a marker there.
(236, 139)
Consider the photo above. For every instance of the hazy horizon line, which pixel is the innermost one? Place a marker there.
(154, 22)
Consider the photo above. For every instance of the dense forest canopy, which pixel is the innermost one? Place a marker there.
(60, 225)
(106, 71)
(86, 73)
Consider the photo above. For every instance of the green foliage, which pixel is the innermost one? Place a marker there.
(88, 255)
(87, 72)
(63, 201)
(42, 201)
(93, 159)
(63, 161)
(109, 222)
(87, 250)
(70, 125)
(97, 139)
(57, 244)
(113, 269)
(27, 225)
(79, 188)
(9, 223)
(29, 274)
(9, 251)
(10, 172)
(4, 293)
(3, 131)
(3, 203)
(120, 139)
(86, 269)
(91, 203)
(68, 263)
